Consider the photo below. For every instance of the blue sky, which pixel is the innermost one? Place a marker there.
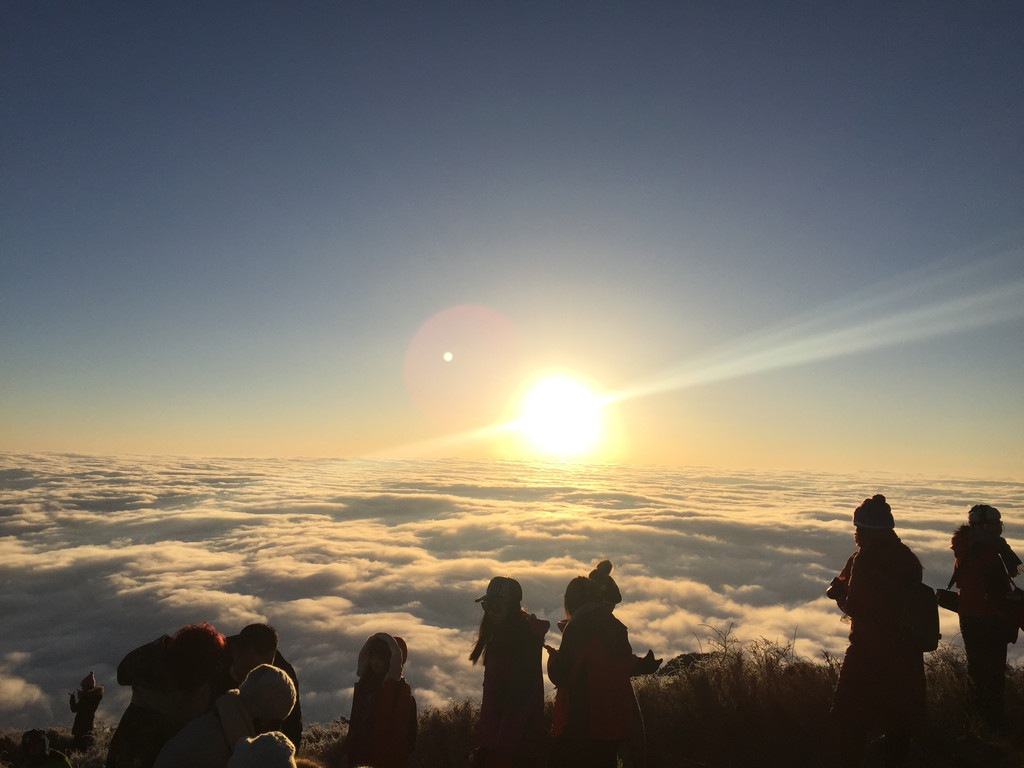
(223, 226)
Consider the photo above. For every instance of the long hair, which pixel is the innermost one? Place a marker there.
(492, 632)
(483, 637)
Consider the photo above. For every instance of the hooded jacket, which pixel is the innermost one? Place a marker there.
(85, 709)
(382, 725)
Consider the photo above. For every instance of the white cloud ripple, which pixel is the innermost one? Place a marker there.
(101, 554)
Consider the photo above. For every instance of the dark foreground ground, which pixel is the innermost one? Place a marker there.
(732, 708)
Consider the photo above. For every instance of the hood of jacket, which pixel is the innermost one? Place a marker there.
(397, 664)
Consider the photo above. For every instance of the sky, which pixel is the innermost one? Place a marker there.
(771, 236)
(99, 555)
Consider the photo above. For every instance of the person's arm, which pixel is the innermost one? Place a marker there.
(143, 662)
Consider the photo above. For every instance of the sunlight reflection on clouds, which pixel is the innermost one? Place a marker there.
(99, 555)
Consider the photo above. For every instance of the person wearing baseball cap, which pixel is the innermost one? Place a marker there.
(510, 729)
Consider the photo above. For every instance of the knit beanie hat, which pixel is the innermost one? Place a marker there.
(602, 576)
(268, 750)
(267, 693)
(89, 682)
(874, 513)
(983, 513)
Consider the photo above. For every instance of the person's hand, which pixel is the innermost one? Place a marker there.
(836, 589)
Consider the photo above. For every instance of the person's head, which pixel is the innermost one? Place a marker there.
(602, 576)
(503, 598)
(35, 744)
(872, 515)
(986, 518)
(194, 653)
(268, 750)
(89, 681)
(579, 592)
(268, 695)
(501, 602)
(256, 644)
(382, 656)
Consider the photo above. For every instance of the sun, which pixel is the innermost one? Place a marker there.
(561, 415)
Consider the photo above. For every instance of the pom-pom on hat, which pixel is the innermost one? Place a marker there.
(267, 693)
(983, 513)
(874, 513)
(504, 590)
(268, 750)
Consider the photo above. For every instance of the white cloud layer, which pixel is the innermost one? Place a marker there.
(99, 555)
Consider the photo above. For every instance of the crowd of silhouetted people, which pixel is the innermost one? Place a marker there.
(203, 700)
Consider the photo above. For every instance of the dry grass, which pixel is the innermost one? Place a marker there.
(735, 706)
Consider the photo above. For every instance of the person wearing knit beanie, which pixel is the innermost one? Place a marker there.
(602, 576)
(259, 705)
(84, 705)
(268, 750)
(267, 693)
(881, 685)
(874, 513)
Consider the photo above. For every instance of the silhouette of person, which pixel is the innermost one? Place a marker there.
(35, 747)
(259, 705)
(382, 725)
(510, 731)
(258, 644)
(602, 576)
(881, 684)
(985, 565)
(84, 706)
(594, 701)
(171, 680)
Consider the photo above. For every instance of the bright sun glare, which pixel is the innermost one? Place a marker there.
(561, 415)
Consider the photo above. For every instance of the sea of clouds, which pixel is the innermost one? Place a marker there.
(101, 554)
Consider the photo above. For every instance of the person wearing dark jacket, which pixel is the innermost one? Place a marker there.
(258, 644)
(35, 746)
(594, 701)
(259, 705)
(84, 706)
(510, 731)
(382, 725)
(881, 684)
(171, 680)
(985, 564)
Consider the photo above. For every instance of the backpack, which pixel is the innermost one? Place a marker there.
(919, 622)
